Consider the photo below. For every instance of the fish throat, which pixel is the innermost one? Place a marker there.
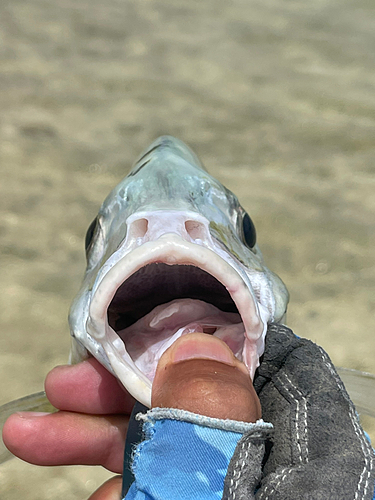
(159, 283)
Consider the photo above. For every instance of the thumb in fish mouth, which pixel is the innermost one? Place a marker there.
(199, 373)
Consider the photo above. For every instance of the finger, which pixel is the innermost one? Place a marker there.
(87, 388)
(110, 490)
(65, 438)
(199, 373)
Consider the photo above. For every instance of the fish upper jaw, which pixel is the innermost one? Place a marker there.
(186, 242)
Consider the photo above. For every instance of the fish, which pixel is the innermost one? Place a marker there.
(172, 251)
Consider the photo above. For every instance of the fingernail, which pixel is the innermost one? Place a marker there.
(32, 414)
(198, 345)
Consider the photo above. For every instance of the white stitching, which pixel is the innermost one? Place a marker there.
(282, 475)
(297, 414)
(237, 473)
(305, 429)
(304, 419)
(365, 446)
(284, 472)
(282, 478)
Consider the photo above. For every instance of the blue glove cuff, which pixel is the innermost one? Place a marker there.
(185, 455)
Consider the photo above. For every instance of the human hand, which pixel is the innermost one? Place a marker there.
(91, 425)
(89, 429)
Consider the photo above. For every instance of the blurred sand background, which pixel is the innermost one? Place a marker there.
(276, 97)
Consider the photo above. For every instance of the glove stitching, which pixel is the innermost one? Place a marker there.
(304, 438)
(283, 473)
(300, 439)
(282, 479)
(365, 446)
(237, 473)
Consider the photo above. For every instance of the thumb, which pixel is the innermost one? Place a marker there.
(199, 373)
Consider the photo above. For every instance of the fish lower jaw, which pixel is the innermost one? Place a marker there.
(136, 370)
(162, 323)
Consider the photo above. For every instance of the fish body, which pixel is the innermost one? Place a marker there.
(172, 251)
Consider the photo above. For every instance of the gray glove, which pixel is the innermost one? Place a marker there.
(318, 450)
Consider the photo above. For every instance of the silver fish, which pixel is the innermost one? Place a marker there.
(171, 251)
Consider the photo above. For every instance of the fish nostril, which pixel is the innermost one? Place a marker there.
(194, 229)
(139, 228)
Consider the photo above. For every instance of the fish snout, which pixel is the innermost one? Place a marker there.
(150, 226)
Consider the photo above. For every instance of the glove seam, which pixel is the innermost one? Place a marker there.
(237, 473)
(301, 439)
(283, 473)
(286, 387)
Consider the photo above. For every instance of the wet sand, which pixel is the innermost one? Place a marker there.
(277, 98)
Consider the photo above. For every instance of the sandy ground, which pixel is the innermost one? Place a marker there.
(277, 98)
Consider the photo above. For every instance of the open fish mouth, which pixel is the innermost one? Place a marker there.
(160, 303)
(162, 290)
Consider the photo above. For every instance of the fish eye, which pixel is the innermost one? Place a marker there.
(248, 231)
(90, 233)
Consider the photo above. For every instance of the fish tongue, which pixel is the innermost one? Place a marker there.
(148, 338)
(147, 356)
(179, 312)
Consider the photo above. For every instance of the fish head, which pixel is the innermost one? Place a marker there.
(171, 252)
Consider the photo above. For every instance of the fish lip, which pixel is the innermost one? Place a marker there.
(169, 249)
